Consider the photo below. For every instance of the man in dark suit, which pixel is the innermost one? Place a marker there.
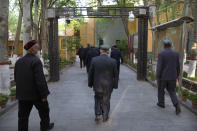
(168, 69)
(103, 77)
(116, 54)
(86, 52)
(31, 88)
(81, 53)
(92, 52)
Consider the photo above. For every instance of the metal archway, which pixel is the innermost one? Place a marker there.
(142, 13)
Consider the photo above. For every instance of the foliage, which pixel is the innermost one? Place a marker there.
(130, 63)
(72, 42)
(62, 3)
(13, 91)
(76, 24)
(3, 98)
(64, 62)
(187, 62)
(185, 74)
(184, 92)
(177, 88)
(152, 75)
(193, 79)
(102, 25)
(123, 47)
(46, 60)
(192, 97)
(13, 16)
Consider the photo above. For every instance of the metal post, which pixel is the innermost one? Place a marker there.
(142, 47)
(54, 50)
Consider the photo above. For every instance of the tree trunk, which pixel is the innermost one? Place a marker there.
(27, 22)
(18, 31)
(145, 2)
(4, 66)
(158, 3)
(167, 2)
(35, 21)
(125, 23)
(44, 28)
(192, 65)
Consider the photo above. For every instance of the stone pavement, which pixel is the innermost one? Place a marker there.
(133, 107)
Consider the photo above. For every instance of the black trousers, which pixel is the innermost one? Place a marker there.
(118, 68)
(102, 104)
(170, 86)
(82, 62)
(25, 108)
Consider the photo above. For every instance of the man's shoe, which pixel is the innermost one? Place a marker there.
(51, 125)
(105, 119)
(162, 106)
(178, 109)
(97, 118)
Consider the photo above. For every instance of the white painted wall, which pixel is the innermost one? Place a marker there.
(110, 32)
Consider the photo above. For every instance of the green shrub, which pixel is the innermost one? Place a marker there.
(193, 97)
(123, 47)
(152, 75)
(13, 91)
(177, 88)
(187, 62)
(193, 79)
(3, 98)
(184, 92)
(185, 74)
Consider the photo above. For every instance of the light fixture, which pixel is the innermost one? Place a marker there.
(142, 11)
(95, 8)
(131, 16)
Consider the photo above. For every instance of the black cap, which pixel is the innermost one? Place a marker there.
(167, 42)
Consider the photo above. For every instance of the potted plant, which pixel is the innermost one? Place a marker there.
(3, 100)
(13, 94)
(184, 94)
(193, 98)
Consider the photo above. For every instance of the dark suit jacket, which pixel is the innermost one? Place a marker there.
(81, 53)
(86, 53)
(30, 79)
(91, 53)
(116, 54)
(168, 67)
(103, 74)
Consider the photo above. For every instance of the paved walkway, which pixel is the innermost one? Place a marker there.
(133, 107)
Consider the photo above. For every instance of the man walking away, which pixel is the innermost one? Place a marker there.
(103, 77)
(31, 88)
(92, 52)
(168, 69)
(86, 52)
(81, 53)
(116, 54)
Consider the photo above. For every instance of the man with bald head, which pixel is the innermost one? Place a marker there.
(31, 88)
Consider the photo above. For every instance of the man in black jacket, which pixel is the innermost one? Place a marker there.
(92, 52)
(116, 54)
(86, 52)
(31, 88)
(81, 53)
(103, 77)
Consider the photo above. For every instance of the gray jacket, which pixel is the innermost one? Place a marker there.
(168, 66)
(103, 74)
